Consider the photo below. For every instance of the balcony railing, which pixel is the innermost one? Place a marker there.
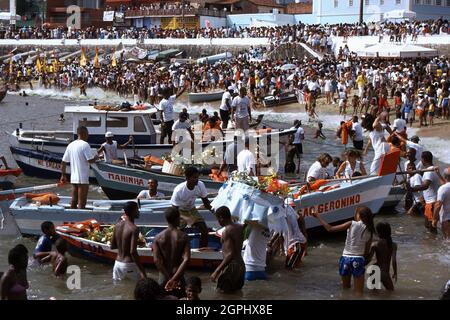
(174, 12)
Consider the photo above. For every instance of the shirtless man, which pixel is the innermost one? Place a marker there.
(125, 239)
(231, 272)
(171, 251)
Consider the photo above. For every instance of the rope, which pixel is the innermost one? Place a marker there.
(26, 120)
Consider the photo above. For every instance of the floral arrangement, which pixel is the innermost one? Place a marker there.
(269, 184)
(202, 160)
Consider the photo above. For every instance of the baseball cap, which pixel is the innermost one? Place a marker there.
(109, 134)
(230, 88)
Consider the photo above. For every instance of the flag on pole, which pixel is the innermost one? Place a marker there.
(82, 58)
(96, 63)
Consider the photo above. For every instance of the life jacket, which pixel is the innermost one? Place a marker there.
(153, 160)
(346, 127)
(48, 198)
(79, 227)
(214, 175)
(312, 187)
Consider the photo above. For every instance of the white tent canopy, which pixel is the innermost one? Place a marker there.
(7, 16)
(255, 23)
(391, 50)
(400, 14)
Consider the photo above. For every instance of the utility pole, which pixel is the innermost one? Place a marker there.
(361, 11)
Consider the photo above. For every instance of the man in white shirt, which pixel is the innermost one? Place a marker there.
(225, 107)
(109, 147)
(442, 207)
(242, 113)
(299, 136)
(400, 125)
(183, 198)
(412, 143)
(246, 161)
(357, 137)
(430, 185)
(180, 128)
(152, 192)
(255, 253)
(318, 169)
(79, 154)
(167, 116)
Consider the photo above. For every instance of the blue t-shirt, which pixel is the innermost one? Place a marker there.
(44, 244)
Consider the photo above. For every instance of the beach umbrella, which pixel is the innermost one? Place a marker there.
(288, 66)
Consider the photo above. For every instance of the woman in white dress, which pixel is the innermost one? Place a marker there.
(353, 167)
(376, 139)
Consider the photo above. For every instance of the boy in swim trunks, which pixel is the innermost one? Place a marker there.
(231, 272)
(125, 239)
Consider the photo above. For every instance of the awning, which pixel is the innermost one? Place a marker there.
(391, 50)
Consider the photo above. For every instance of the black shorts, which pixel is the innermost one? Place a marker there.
(298, 148)
(358, 144)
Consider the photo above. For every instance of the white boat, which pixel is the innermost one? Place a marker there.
(197, 97)
(123, 123)
(29, 215)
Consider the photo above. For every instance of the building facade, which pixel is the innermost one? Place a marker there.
(347, 11)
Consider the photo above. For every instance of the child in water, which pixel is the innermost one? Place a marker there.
(58, 258)
(193, 288)
(385, 250)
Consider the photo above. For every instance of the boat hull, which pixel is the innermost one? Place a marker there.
(205, 96)
(120, 182)
(29, 217)
(340, 204)
(41, 164)
(102, 253)
(396, 195)
(271, 101)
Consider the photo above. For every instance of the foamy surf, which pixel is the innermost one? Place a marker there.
(438, 146)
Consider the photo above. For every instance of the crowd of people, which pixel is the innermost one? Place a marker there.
(418, 87)
(316, 34)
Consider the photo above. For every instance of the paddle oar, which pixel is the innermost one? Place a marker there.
(29, 189)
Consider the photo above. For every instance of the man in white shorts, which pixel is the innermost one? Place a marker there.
(125, 239)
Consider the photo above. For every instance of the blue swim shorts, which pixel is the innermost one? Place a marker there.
(255, 275)
(351, 265)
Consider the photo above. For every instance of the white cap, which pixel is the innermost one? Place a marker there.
(230, 88)
(109, 134)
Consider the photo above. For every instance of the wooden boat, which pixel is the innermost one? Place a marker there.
(9, 177)
(197, 97)
(41, 164)
(283, 98)
(341, 200)
(29, 215)
(122, 123)
(80, 246)
(122, 182)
